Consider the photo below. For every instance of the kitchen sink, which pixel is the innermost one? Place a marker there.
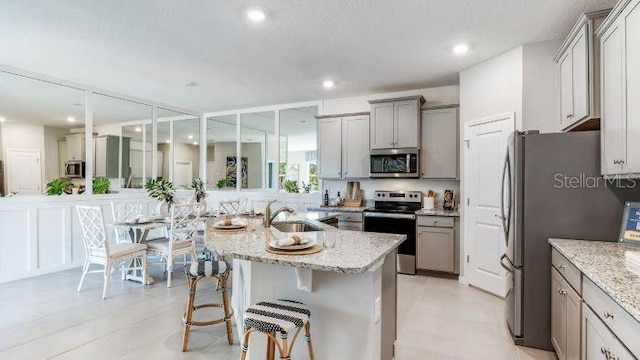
(295, 226)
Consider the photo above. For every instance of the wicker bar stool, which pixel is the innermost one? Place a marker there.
(279, 316)
(195, 272)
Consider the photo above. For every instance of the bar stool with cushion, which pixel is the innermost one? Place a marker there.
(198, 270)
(280, 316)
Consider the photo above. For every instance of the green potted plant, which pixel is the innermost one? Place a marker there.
(199, 194)
(57, 186)
(163, 191)
(101, 185)
(290, 186)
(222, 183)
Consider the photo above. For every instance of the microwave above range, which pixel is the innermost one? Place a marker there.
(74, 169)
(394, 163)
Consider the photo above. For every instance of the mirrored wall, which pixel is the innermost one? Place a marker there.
(180, 148)
(221, 152)
(298, 147)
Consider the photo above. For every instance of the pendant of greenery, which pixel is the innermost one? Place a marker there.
(57, 186)
(161, 190)
(198, 189)
(101, 185)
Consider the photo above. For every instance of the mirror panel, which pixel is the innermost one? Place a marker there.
(298, 149)
(221, 152)
(258, 134)
(178, 139)
(119, 139)
(37, 119)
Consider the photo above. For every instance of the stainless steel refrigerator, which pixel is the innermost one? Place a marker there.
(552, 188)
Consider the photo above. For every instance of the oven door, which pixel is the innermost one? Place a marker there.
(403, 224)
(393, 163)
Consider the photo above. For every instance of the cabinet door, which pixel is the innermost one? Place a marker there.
(435, 249)
(613, 128)
(381, 131)
(100, 155)
(558, 315)
(566, 90)
(355, 147)
(573, 307)
(597, 340)
(580, 71)
(439, 149)
(632, 79)
(330, 148)
(406, 116)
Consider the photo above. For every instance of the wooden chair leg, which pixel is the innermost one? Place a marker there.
(284, 349)
(307, 333)
(227, 314)
(271, 346)
(188, 314)
(245, 343)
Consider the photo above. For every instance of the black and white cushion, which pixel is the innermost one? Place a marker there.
(281, 316)
(207, 268)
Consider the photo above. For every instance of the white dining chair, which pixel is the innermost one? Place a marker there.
(232, 207)
(182, 237)
(99, 251)
(124, 211)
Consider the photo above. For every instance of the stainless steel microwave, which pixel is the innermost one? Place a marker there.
(74, 169)
(394, 163)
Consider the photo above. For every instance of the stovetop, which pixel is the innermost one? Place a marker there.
(397, 202)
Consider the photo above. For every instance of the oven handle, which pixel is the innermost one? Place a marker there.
(391, 216)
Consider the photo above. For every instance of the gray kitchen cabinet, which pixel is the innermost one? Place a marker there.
(107, 157)
(566, 307)
(437, 244)
(350, 221)
(578, 63)
(620, 70)
(343, 146)
(395, 123)
(439, 155)
(75, 147)
(598, 342)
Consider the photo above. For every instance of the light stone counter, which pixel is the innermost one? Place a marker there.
(452, 213)
(604, 264)
(336, 208)
(354, 252)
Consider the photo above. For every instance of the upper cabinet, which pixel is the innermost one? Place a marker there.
(395, 123)
(439, 155)
(619, 39)
(343, 146)
(579, 69)
(75, 147)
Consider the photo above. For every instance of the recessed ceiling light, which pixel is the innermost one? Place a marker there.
(195, 143)
(328, 84)
(2, 119)
(71, 119)
(256, 15)
(190, 137)
(191, 83)
(138, 129)
(461, 48)
(168, 141)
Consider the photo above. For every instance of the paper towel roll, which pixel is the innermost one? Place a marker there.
(428, 203)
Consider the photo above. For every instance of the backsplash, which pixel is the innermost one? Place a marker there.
(369, 186)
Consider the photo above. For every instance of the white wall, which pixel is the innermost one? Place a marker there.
(444, 95)
(541, 91)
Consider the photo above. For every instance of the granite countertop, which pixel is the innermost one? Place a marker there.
(354, 252)
(452, 213)
(321, 215)
(336, 208)
(604, 264)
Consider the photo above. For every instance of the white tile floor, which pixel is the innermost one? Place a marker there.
(44, 317)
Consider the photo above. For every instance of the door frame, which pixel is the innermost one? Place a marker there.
(464, 216)
(8, 160)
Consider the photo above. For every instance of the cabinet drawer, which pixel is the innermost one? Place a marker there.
(355, 226)
(598, 342)
(613, 315)
(437, 221)
(350, 217)
(567, 269)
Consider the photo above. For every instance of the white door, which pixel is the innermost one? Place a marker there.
(355, 142)
(24, 172)
(485, 149)
(183, 174)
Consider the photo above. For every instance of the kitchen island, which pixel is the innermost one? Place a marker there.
(351, 288)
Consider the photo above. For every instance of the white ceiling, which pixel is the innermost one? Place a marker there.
(149, 49)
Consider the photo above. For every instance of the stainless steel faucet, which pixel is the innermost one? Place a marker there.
(268, 216)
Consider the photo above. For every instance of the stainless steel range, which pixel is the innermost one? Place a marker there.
(394, 213)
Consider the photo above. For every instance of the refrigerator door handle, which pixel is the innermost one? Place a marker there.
(508, 267)
(510, 192)
(503, 216)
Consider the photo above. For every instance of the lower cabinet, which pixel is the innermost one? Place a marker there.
(437, 244)
(598, 342)
(566, 307)
(350, 221)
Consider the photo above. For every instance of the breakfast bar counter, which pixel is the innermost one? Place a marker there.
(350, 288)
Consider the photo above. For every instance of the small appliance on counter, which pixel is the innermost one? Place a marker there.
(74, 169)
(394, 213)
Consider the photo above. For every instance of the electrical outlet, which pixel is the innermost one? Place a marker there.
(376, 310)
